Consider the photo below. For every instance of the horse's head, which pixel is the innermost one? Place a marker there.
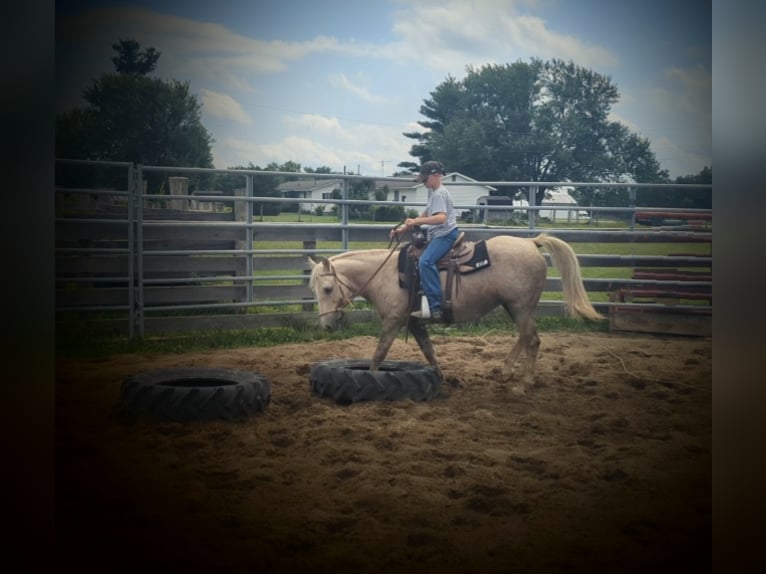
(329, 291)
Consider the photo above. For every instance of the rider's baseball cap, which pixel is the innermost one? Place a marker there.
(428, 168)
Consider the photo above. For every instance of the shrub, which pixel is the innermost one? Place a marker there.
(388, 213)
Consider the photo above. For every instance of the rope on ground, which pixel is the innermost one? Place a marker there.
(646, 378)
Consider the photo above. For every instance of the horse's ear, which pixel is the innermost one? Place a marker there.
(323, 260)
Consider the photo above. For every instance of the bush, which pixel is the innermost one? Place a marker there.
(388, 213)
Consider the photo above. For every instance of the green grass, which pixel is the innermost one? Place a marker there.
(297, 332)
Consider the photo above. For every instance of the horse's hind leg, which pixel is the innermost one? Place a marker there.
(529, 342)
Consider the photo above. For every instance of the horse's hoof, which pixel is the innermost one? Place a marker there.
(505, 374)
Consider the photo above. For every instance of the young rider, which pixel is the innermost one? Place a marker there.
(440, 222)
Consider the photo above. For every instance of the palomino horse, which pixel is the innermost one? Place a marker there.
(514, 279)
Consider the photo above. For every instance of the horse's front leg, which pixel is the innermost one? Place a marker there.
(419, 331)
(390, 330)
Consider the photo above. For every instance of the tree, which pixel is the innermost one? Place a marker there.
(321, 169)
(700, 198)
(536, 121)
(130, 116)
(132, 60)
(696, 198)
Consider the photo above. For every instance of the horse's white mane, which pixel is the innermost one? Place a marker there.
(339, 257)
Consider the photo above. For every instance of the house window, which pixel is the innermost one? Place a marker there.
(404, 198)
(454, 177)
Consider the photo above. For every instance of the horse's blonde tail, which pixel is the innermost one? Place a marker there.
(565, 260)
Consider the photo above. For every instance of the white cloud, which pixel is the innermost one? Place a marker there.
(223, 106)
(314, 140)
(317, 124)
(451, 34)
(307, 152)
(341, 81)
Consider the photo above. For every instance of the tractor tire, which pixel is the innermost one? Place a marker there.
(349, 381)
(195, 394)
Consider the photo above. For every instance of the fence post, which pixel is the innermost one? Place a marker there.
(312, 244)
(132, 202)
(139, 189)
(249, 235)
(344, 216)
(241, 210)
(178, 186)
(632, 205)
(532, 199)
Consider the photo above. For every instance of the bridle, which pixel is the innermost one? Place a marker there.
(348, 299)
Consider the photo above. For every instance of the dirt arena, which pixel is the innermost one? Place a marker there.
(604, 466)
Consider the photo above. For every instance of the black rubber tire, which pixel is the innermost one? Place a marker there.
(349, 381)
(195, 394)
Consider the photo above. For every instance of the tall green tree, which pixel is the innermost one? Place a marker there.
(531, 121)
(690, 198)
(131, 116)
(131, 59)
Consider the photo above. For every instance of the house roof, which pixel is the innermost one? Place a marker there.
(307, 184)
(392, 185)
(559, 195)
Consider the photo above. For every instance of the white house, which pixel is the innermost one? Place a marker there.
(313, 188)
(400, 191)
(418, 193)
(558, 201)
(462, 195)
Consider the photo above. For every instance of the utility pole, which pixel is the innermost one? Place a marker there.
(382, 166)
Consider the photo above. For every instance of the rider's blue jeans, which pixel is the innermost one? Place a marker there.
(429, 273)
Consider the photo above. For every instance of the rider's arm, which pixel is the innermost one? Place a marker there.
(423, 219)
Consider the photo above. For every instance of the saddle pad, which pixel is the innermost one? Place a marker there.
(479, 260)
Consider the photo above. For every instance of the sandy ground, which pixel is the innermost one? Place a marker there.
(604, 466)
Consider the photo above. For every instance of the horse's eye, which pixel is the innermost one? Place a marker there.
(328, 289)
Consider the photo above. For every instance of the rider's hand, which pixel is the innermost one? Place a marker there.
(399, 229)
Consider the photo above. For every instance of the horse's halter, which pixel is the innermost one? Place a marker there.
(348, 299)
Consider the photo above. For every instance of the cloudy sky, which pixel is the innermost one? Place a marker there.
(336, 82)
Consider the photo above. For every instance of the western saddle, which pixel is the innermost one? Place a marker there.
(463, 257)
